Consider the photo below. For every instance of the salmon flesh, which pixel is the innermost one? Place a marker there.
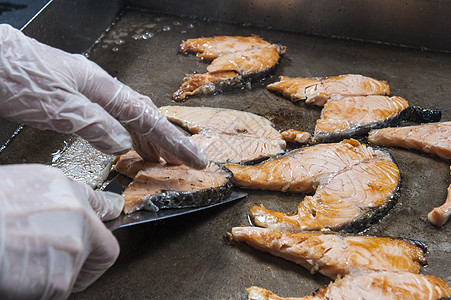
(318, 91)
(372, 285)
(351, 116)
(234, 60)
(228, 135)
(353, 185)
(159, 185)
(335, 255)
(432, 138)
(440, 215)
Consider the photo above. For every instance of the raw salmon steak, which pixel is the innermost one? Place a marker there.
(352, 184)
(228, 135)
(440, 215)
(318, 91)
(350, 116)
(432, 138)
(373, 285)
(235, 60)
(159, 185)
(335, 255)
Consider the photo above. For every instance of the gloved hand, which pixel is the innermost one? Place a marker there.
(47, 88)
(52, 242)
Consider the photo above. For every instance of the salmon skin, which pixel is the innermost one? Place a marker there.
(228, 135)
(373, 285)
(432, 138)
(335, 255)
(318, 91)
(356, 116)
(235, 60)
(353, 186)
(159, 185)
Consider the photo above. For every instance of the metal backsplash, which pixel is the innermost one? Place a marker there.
(413, 23)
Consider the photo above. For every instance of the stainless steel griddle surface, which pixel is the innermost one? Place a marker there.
(190, 257)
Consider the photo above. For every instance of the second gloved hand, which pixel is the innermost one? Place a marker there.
(47, 88)
(52, 240)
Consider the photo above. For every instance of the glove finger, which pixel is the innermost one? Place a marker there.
(146, 150)
(106, 205)
(104, 248)
(104, 252)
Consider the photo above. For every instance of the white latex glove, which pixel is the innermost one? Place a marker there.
(52, 242)
(47, 88)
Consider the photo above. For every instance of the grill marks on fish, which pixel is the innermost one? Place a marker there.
(440, 215)
(332, 254)
(353, 184)
(351, 116)
(373, 285)
(318, 91)
(159, 185)
(228, 135)
(235, 59)
(352, 104)
(433, 138)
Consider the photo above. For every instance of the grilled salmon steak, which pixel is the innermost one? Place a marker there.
(350, 116)
(335, 255)
(440, 215)
(432, 138)
(228, 135)
(318, 91)
(373, 285)
(159, 185)
(234, 61)
(353, 184)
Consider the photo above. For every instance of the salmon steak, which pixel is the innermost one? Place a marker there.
(353, 185)
(369, 286)
(350, 116)
(159, 185)
(335, 255)
(440, 215)
(228, 135)
(235, 60)
(318, 91)
(432, 138)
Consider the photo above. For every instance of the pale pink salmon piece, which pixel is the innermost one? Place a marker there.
(350, 114)
(440, 215)
(296, 136)
(211, 47)
(318, 91)
(334, 255)
(156, 178)
(227, 135)
(432, 138)
(197, 119)
(373, 285)
(236, 148)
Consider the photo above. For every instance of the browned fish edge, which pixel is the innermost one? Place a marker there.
(204, 197)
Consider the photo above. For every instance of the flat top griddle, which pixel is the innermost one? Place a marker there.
(190, 257)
